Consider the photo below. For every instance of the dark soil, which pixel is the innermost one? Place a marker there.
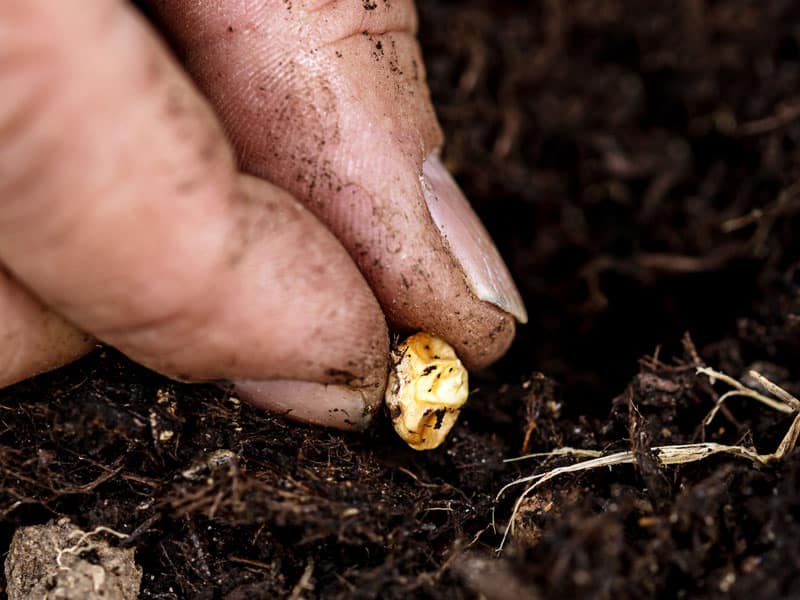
(638, 164)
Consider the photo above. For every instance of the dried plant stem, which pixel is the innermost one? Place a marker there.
(784, 405)
(673, 454)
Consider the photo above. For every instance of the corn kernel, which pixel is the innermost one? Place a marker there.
(427, 388)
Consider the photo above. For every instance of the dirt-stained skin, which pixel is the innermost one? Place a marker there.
(267, 232)
(329, 100)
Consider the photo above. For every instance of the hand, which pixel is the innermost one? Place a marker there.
(262, 229)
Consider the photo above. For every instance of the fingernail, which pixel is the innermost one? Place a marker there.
(335, 406)
(470, 243)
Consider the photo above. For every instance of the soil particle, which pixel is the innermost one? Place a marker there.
(58, 560)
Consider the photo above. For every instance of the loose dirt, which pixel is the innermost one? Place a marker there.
(639, 165)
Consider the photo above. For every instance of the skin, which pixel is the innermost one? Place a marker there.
(250, 211)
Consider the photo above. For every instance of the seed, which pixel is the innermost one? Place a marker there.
(427, 388)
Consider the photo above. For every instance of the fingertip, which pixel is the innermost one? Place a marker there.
(483, 337)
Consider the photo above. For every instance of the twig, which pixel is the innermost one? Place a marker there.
(251, 562)
(775, 390)
(784, 114)
(304, 584)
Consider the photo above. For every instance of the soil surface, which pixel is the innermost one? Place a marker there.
(639, 165)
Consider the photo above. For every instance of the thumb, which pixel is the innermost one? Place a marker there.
(329, 100)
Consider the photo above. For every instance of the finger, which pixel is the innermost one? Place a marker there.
(123, 210)
(329, 100)
(33, 339)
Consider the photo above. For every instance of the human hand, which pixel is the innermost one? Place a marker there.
(265, 241)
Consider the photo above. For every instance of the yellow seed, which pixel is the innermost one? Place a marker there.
(427, 388)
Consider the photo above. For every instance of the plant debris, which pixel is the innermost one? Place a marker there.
(676, 454)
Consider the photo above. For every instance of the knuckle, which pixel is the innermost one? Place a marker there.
(340, 20)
